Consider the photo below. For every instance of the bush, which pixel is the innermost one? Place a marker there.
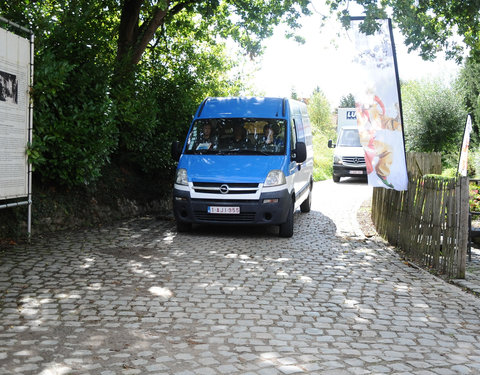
(474, 162)
(474, 197)
(323, 158)
(434, 119)
(74, 134)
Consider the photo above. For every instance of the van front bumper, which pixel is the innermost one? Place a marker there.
(349, 171)
(270, 209)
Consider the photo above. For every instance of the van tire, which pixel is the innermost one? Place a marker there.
(183, 227)
(336, 178)
(307, 203)
(286, 229)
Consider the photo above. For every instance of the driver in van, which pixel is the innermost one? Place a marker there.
(239, 139)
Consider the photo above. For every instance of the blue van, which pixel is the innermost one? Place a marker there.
(245, 161)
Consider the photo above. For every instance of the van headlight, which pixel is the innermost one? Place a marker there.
(181, 177)
(274, 178)
(337, 159)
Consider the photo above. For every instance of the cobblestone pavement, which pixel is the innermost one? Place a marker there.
(472, 272)
(138, 298)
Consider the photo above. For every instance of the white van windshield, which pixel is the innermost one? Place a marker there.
(349, 138)
(237, 136)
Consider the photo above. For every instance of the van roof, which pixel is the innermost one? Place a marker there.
(239, 107)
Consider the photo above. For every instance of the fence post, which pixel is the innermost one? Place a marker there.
(463, 211)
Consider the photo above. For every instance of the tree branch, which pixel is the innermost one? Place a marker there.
(147, 33)
(133, 39)
(128, 28)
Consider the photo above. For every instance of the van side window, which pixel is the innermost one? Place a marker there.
(299, 127)
(307, 130)
(293, 136)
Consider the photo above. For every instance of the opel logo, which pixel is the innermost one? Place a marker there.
(224, 189)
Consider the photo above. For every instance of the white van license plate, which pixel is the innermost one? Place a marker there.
(356, 172)
(223, 210)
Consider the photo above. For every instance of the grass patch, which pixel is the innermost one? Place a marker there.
(323, 158)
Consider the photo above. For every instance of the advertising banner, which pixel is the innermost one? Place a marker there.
(378, 106)
(462, 164)
(14, 114)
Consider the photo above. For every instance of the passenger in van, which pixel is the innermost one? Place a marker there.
(270, 141)
(207, 139)
(239, 139)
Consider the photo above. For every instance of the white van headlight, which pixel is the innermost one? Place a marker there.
(274, 178)
(337, 159)
(181, 177)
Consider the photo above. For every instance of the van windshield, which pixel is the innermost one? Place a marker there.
(246, 136)
(349, 138)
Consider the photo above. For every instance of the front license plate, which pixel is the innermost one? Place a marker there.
(356, 172)
(223, 210)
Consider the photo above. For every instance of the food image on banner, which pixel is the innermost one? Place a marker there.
(377, 102)
(14, 100)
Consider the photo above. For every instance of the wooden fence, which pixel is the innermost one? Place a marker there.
(422, 163)
(429, 222)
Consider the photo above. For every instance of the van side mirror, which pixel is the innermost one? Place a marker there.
(176, 150)
(331, 144)
(300, 152)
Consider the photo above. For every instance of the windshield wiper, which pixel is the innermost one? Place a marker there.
(245, 152)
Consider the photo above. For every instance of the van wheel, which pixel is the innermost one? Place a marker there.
(286, 229)
(307, 203)
(183, 227)
(336, 178)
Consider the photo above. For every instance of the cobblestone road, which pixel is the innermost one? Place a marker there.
(138, 298)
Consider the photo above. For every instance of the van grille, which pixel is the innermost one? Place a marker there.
(354, 160)
(225, 188)
(246, 217)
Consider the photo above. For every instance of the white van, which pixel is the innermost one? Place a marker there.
(348, 157)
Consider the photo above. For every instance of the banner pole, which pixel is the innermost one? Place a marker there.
(30, 138)
(399, 91)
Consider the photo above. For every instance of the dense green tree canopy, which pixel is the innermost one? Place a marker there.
(118, 80)
(428, 25)
(468, 84)
(247, 22)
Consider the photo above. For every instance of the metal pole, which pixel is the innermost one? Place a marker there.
(14, 204)
(15, 25)
(30, 138)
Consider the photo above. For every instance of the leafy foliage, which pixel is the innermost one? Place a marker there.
(73, 132)
(434, 119)
(116, 82)
(320, 113)
(468, 85)
(323, 129)
(428, 26)
(322, 157)
(170, 86)
(474, 197)
(347, 101)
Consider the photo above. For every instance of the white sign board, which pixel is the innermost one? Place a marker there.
(14, 117)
